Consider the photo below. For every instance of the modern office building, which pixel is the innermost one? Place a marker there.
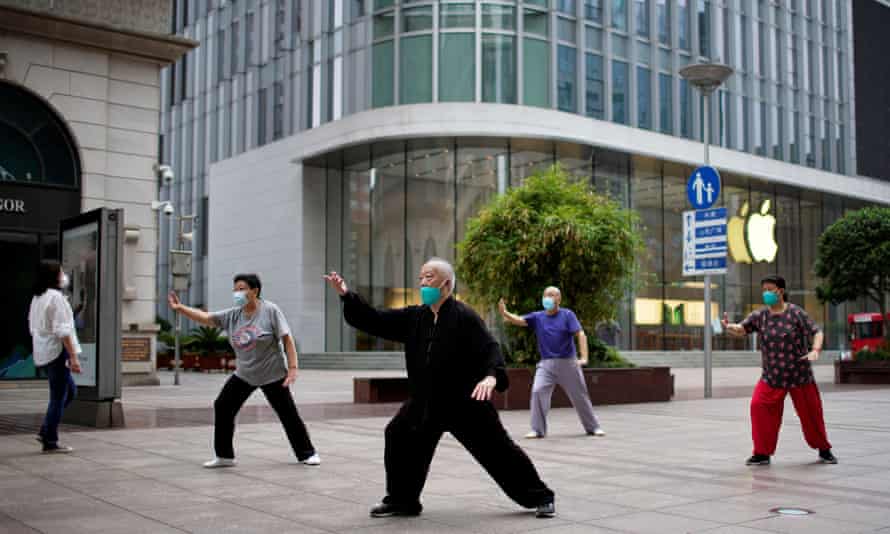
(80, 86)
(360, 135)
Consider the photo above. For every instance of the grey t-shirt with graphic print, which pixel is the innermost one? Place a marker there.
(257, 341)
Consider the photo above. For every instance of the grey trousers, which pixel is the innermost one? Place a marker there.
(566, 373)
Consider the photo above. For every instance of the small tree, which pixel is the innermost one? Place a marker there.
(853, 259)
(550, 231)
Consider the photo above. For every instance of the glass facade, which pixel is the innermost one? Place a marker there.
(268, 69)
(392, 205)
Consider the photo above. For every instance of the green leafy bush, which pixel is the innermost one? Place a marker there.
(602, 355)
(866, 355)
(550, 231)
(207, 340)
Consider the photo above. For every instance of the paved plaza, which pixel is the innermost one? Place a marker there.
(663, 468)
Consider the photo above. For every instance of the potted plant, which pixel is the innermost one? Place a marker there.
(210, 346)
(553, 230)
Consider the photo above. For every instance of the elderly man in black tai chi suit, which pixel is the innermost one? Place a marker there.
(453, 366)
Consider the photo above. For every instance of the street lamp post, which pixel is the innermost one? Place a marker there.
(707, 77)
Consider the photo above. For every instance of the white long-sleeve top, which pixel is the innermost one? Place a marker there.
(50, 320)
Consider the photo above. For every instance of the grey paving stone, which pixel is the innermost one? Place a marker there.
(656, 523)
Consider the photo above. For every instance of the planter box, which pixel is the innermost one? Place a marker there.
(213, 362)
(605, 386)
(165, 361)
(866, 372)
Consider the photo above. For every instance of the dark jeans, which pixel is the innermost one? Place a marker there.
(412, 437)
(62, 391)
(233, 395)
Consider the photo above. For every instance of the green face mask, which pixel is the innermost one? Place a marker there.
(430, 295)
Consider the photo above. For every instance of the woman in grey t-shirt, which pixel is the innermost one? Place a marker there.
(257, 329)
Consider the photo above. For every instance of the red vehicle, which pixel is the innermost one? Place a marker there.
(866, 331)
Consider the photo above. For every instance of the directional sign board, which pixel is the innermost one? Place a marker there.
(703, 187)
(704, 242)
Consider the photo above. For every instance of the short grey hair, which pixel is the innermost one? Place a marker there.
(444, 268)
(558, 292)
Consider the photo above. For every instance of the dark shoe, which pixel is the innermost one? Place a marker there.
(546, 510)
(826, 457)
(56, 449)
(758, 459)
(385, 509)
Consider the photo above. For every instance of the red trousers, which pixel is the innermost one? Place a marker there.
(767, 406)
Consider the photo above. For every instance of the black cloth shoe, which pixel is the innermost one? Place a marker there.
(546, 510)
(826, 457)
(386, 509)
(758, 459)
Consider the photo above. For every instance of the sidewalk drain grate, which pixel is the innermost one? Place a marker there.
(784, 510)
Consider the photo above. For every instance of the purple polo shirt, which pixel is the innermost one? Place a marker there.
(555, 332)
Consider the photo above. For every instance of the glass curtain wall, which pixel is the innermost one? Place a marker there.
(391, 206)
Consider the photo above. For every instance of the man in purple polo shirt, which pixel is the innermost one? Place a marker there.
(556, 329)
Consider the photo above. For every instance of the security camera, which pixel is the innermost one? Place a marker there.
(166, 173)
(168, 209)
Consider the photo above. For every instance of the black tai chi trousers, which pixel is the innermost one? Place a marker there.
(234, 394)
(413, 434)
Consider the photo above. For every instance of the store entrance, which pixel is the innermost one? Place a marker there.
(20, 252)
(39, 186)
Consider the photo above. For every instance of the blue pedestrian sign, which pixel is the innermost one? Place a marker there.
(703, 187)
(704, 242)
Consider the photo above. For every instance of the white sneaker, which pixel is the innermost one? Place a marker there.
(312, 460)
(220, 462)
(599, 432)
(533, 435)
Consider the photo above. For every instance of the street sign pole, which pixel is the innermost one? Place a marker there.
(707, 345)
(707, 77)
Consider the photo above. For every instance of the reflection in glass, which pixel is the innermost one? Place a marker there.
(417, 19)
(536, 22)
(528, 157)
(565, 83)
(641, 17)
(457, 67)
(457, 16)
(498, 68)
(683, 24)
(593, 10)
(498, 17)
(384, 24)
(704, 28)
(619, 15)
(644, 98)
(386, 197)
(536, 73)
(594, 100)
(430, 206)
(619, 92)
(663, 17)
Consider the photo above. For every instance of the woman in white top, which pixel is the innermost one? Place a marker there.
(51, 322)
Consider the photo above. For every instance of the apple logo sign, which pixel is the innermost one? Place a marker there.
(752, 236)
(735, 232)
(760, 233)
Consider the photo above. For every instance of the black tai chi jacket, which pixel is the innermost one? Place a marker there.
(445, 359)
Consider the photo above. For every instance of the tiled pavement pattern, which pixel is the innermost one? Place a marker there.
(663, 468)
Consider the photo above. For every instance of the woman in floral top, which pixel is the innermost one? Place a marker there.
(785, 332)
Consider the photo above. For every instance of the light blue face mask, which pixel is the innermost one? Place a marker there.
(548, 303)
(239, 298)
(770, 298)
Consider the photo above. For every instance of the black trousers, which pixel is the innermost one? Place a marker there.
(235, 393)
(413, 434)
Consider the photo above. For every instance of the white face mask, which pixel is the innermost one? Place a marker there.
(64, 281)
